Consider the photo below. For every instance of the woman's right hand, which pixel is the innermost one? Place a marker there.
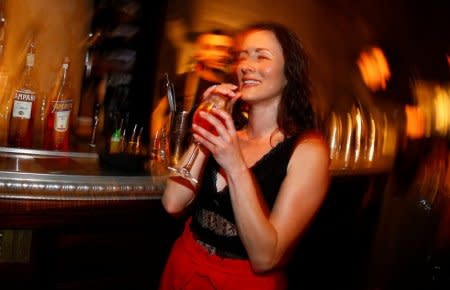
(226, 89)
(223, 143)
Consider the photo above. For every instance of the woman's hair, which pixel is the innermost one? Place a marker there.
(295, 113)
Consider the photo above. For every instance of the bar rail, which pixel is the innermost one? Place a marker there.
(63, 187)
(35, 175)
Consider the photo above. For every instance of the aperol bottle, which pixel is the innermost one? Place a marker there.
(57, 133)
(24, 107)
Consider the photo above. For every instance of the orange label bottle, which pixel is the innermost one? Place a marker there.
(57, 133)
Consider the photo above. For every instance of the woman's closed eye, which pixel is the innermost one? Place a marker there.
(263, 57)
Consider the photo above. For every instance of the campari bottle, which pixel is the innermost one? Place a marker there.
(24, 106)
(57, 133)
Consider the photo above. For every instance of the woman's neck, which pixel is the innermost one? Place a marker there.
(262, 120)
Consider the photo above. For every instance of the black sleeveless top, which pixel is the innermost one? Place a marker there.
(213, 219)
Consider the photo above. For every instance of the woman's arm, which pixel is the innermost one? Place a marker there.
(179, 192)
(268, 237)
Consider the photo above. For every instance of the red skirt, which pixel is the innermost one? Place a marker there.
(190, 266)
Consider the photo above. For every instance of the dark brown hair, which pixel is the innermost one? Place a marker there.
(295, 113)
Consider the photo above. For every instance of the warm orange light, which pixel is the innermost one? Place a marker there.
(415, 122)
(374, 68)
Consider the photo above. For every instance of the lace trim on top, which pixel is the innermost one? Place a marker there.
(215, 223)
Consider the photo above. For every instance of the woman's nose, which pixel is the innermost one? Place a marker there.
(246, 67)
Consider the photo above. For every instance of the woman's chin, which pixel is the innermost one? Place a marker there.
(246, 94)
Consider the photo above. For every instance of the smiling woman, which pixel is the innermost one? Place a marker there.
(259, 187)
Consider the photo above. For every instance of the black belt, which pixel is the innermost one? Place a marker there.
(218, 252)
(228, 255)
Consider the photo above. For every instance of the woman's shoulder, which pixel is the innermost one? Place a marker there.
(311, 142)
(310, 156)
(310, 136)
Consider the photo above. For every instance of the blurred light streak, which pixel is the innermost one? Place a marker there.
(374, 68)
(433, 99)
(415, 122)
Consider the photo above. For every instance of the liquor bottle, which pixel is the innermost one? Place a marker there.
(115, 141)
(131, 146)
(57, 132)
(5, 82)
(138, 147)
(2, 29)
(114, 146)
(23, 109)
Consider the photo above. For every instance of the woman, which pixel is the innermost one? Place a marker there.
(261, 186)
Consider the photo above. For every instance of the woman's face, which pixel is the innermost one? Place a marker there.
(260, 67)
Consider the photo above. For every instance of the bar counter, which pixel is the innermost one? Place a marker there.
(39, 175)
(68, 222)
(58, 176)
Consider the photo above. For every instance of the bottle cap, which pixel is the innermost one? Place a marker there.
(66, 62)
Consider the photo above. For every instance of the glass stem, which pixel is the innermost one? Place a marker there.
(192, 157)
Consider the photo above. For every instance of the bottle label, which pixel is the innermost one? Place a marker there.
(23, 104)
(62, 121)
(62, 110)
(30, 59)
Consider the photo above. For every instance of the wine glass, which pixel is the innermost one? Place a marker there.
(214, 101)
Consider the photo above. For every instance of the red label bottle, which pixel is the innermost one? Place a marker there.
(22, 114)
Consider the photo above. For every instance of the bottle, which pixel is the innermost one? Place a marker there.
(115, 141)
(57, 133)
(5, 82)
(131, 146)
(138, 150)
(23, 109)
(114, 146)
(2, 30)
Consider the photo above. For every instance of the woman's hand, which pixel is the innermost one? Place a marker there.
(225, 89)
(224, 145)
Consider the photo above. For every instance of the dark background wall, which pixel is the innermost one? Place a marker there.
(413, 34)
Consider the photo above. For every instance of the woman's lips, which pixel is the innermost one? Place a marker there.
(246, 83)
